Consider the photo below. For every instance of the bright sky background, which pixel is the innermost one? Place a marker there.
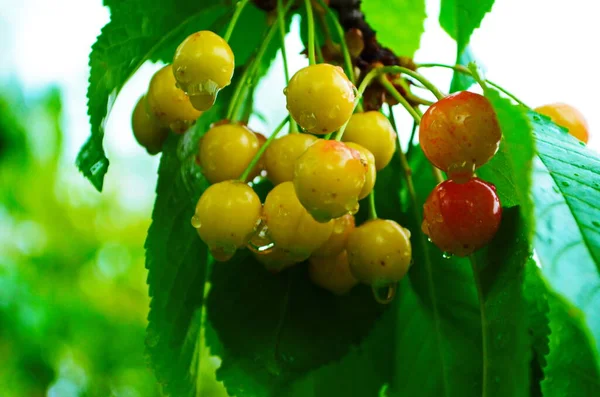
(541, 50)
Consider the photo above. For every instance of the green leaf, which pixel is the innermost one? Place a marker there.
(463, 81)
(176, 262)
(402, 38)
(567, 181)
(536, 295)
(460, 18)
(575, 171)
(150, 30)
(273, 329)
(511, 168)
(500, 268)
(573, 362)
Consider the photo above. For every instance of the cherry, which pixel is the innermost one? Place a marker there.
(289, 226)
(374, 132)
(203, 65)
(329, 177)
(342, 227)
(280, 157)
(460, 133)
(275, 260)
(226, 217)
(332, 273)
(146, 129)
(170, 105)
(320, 98)
(568, 117)
(462, 218)
(226, 150)
(380, 252)
(371, 175)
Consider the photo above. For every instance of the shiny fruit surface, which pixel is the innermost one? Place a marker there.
(374, 132)
(380, 252)
(169, 104)
(460, 133)
(289, 226)
(226, 150)
(146, 129)
(203, 65)
(320, 98)
(329, 178)
(226, 217)
(461, 218)
(280, 157)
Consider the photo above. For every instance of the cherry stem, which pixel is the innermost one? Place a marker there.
(262, 149)
(413, 112)
(421, 79)
(426, 253)
(372, 209)
(361, 90)
(413, 133)
(403, 160)
(286, 70)
(320, 58)
(475, 73)
(464, 70)
(239, 7)
(484, 333)
(343, 44)
(389, 87)
(251, 70)
(410, 96)
(311, 32)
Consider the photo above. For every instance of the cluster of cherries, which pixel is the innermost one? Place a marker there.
(309, 214)
(459, 134)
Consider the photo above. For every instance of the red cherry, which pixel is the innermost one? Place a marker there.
(460, 218)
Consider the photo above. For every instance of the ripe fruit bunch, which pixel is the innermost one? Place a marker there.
(459, 134)
(309, 214)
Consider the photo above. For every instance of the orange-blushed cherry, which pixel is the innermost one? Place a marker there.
(227, 215)
(460, 133)
(146, 129)
(169, 104)
(461, 218)
(203, 65)
(320, 98)
(568, 117)
(342, 227)
(280, 157)
(374, 132)
(371, 175)
(275, 260)
(379, 252)
(226, 150)
(329, 178)
(289, 226)
(332, 273)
